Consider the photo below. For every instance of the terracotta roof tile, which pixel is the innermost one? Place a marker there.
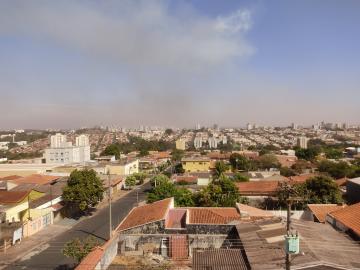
(258, 188)
(12, 197)
(321, 210)
(212, 215)
(302, 177)
(341, 182)
(10, 177)
(36, 179)
(145, 214)
(91, 260)
(349, 216)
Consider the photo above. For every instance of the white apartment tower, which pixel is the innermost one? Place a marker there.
(198, 142)
(57, 140)
(212, 142)
(302, 142)
(63, 152)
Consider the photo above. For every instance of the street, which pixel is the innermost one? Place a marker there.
(49, 256)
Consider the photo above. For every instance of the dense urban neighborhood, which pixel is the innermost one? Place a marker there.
(167, 198)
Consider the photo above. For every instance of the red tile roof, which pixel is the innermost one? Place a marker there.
(185, 178)
(302, 177)
(36, 179)
(212, 215)
(321, 210)
(12, 197)
(258, 188)
(286, 161)
(349, 216)
(145, 214)
(91, 260)
(176, 219)
(10, 177)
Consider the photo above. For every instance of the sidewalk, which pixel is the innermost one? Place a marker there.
(28, 245)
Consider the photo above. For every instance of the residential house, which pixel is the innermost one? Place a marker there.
(196, 164)
(353, 190)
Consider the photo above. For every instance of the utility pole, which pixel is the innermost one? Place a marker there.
(110, 217)
(288, 223)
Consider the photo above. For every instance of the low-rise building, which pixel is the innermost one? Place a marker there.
(196, 164)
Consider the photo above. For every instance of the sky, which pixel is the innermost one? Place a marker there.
(69, 64)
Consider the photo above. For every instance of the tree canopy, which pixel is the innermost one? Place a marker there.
(84, 189)
(78, 249)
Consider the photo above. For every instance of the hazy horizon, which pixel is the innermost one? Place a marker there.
(68, 64)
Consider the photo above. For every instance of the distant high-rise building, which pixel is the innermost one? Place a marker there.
(302, 142)
(198, 126)
(82, 140)
(198, 142)
(294, 126)
(212, 142)
(224, 140)
(180, 144)
(63, 152)
(57, 140)
(249, 126)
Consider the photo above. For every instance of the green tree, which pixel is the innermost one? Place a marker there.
(184, 197)
(321, 189)
(307, 154)
(130, 181)
(140, 177)
(84, 189)
(220, 168)
(240, 162)
(168, 131)
(177, 155)
(178, 168)
(268, 161)
(112, 150)
(332, 153)
(220, 193)
(159, 179)
(78, 249)
(335, 169)
(287, 172)
(238, 177)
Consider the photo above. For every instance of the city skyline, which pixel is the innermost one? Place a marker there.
(175, 63)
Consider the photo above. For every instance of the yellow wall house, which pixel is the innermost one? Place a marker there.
(123, 167)
(13, 204)
(196, 164)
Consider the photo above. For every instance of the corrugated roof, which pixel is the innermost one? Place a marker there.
(219, 259)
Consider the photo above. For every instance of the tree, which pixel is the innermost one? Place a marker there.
(240, 162)
(168, 131)
(308, 154)
(268, 161)
(177, 155)
(220, 193)
(84, 189)
(238, 177)
(130, 181)
(182, 196)
(178, 168)
(159, 179)
(333, 153)
(335, 169)
(322, 189)
(287, 172)
(112, 150)
(220, 168)
(140, 177)
(78, 249)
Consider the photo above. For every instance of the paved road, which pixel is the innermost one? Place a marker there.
(49, 256)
